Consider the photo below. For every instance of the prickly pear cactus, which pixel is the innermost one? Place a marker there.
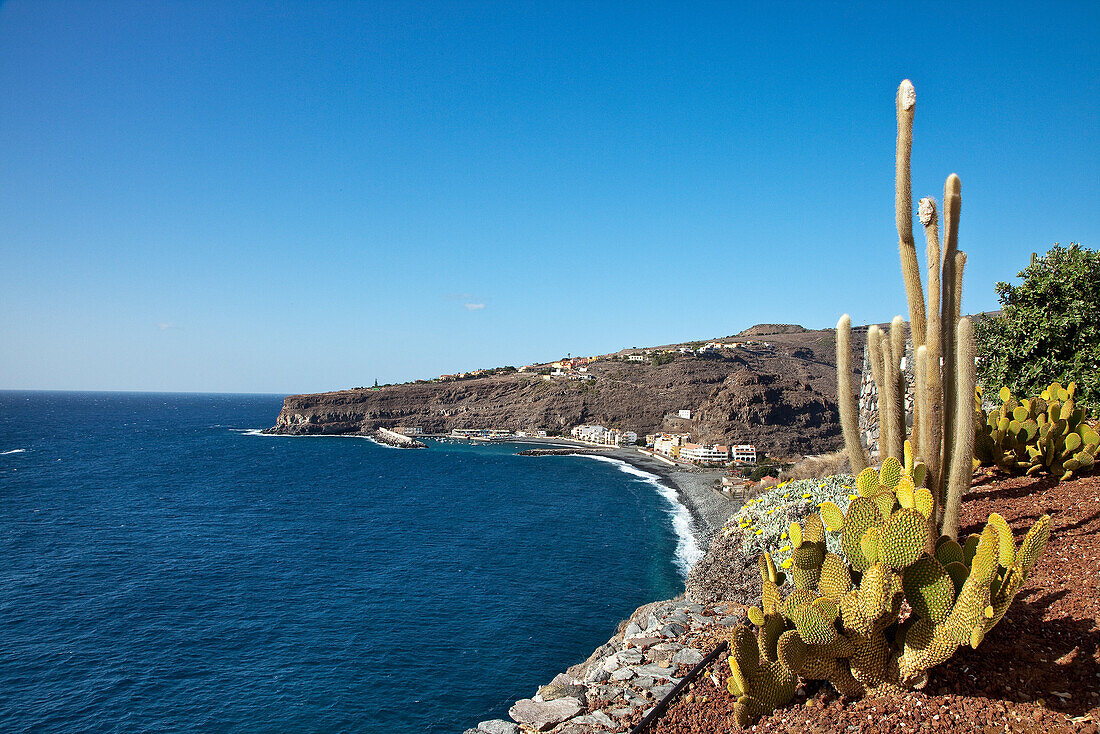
(1046, 433)
(758, 679)
(841, 622)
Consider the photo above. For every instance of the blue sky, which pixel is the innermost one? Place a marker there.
(274, 197)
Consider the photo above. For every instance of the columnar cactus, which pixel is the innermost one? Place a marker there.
(842, 621)
(941, 434)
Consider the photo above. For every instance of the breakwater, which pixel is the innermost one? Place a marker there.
(397, 440)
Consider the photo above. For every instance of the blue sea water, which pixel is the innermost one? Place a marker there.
(163, 569)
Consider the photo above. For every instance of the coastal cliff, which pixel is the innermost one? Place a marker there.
(778, 393)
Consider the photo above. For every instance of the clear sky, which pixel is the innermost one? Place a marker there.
(274, 197)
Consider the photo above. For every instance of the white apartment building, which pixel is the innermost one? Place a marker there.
(636, 358)
(669, 443)
(703, 454)
(744, 453)
(601, 436)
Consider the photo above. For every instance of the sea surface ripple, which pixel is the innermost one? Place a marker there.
(166, 571)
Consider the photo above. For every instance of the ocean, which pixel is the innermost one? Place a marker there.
(165, 568)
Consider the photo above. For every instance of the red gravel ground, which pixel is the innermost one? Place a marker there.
(1036, 671)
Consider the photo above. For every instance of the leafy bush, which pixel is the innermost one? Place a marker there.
(1048, 331)
(763, 521)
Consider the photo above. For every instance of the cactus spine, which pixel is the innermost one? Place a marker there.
(846, 398)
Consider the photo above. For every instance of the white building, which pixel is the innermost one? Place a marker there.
(685, 414)
(703, 454)
(744, 453)
(600, 436)
(635, 358)
(669, 443)
(409, 430)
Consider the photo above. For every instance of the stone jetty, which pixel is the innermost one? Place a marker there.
(397, 440)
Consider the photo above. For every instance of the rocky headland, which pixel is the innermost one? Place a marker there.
(777, 392)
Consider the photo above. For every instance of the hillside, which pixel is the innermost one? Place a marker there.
(781, 397)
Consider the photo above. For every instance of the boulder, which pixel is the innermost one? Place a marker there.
(554, 691)
(543, 715)
(497, 726)
(688, 656)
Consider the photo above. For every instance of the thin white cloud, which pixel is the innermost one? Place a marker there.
(167, 326)
(474, 306)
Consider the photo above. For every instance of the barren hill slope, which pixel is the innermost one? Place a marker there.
(781, 397)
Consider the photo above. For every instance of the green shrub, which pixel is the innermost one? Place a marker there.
(1048, 330)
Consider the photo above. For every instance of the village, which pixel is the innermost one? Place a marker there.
(577, 368)
(672, 447)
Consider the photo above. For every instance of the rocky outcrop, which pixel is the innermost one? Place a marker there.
(724, 574)
(624, 678)
(781, 397)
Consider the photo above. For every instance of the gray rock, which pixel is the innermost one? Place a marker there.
(471, 731)
(632, 629)
(570, 727)
(659, 692)
(497, 726)
(622, 674)
(554, 691)
(672, 630)
(688, 656)
(599, 675)
(677, 618)
(693, 608)
(700, 620)
(596, 718)
(621, 712)
(729, 620)
(544, 714)
(644, 681)
(606, 693)
(631, 656)
(656, 671)
(641, 643)
(563, 679)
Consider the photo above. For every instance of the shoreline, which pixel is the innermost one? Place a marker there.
(694, 488)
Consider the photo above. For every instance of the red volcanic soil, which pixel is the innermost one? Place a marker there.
(1037, 671)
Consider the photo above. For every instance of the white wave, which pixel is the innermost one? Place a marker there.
(687, 548)
(13, 451)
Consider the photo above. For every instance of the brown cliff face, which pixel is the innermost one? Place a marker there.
(782, 398)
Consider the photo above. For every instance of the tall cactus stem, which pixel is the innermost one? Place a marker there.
(962, 455)
(897, 386)
(874, 356)
(903, 206)
(846, 398)
(928, 437)
(932, 409)
(949, 310)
